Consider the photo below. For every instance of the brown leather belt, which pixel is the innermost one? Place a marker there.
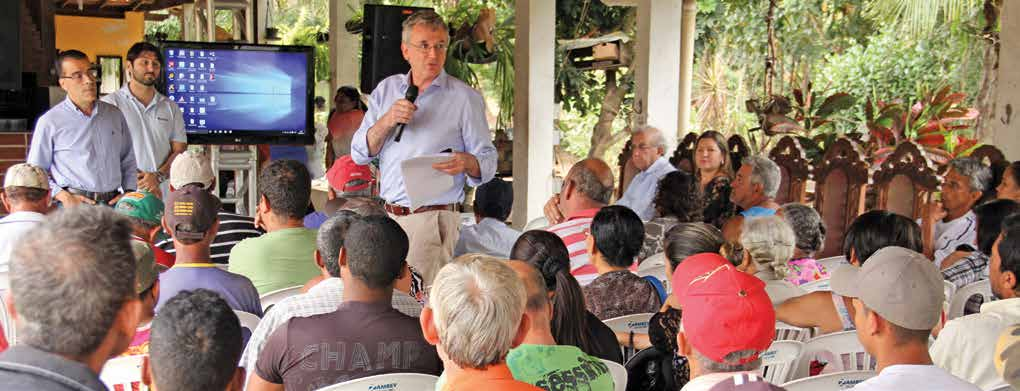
(398, 210)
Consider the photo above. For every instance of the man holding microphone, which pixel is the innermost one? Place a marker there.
(447, 116)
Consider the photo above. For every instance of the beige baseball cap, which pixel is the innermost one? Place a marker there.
(191, 167)
(26, 175)
(900, 284)
(146, 269)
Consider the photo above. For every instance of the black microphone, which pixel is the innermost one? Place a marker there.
(411, 95)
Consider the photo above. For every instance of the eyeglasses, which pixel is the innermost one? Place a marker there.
(92, 73)
(441, 47)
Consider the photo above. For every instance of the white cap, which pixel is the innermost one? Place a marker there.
(191, 167)
(26, 175)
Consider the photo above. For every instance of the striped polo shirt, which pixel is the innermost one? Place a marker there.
(233, 229)
(572, 233)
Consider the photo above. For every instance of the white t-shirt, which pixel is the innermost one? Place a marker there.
(914, 377)
(12, 228)
(949, 235)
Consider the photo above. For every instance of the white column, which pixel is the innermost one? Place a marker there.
(1005, 127)
(534, 54)
(690, 10)
(343, 46)
(261, 14)
(657, 58)
(210, 19)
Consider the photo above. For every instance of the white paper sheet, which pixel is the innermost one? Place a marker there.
(423, 183)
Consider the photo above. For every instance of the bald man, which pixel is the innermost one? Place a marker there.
(647, 154)
(586, 189)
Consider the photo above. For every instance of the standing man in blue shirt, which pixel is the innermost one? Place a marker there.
(83, 143)
(447, 115)
(156, 123)
(648, 149)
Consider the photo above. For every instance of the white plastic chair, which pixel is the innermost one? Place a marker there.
(388, 382)
(7, 322)
(248, 320)
(537, 223)
(786, 332)
(824, 284)
(619, 373)
(638, 323)
(779, 361)
(832, 263)
(271, 298)
(655, 265)
(841, 351)
(123, 373)
(830, 382)
(960, 297)
(1005, 387)
(949, 289)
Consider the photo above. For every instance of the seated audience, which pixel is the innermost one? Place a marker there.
(281, 258)
(728, 320)
(754, 191)
(475, 315)
(587, 187)
(489, 235)
(540, 360)
(965, 345)
(1007, 356)
(147, 289)
(647, 155)
(897, 299)
(196, 341)
(965, 267)
(365, 326)
(77, 309)
(768, 244)
(145, 211)
(194, 168)
(614, 241)
(26, 198)
(809, 229)
(346, 179)
(572, 324)
(1009, 187)
(324, 297)
(193, 223)
(677, 201)
(947, 225)
(714, 173)
(868, 233)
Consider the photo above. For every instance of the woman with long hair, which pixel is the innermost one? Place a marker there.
(714, 172)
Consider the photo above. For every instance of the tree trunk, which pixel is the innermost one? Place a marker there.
(602, 136)
(985, 101)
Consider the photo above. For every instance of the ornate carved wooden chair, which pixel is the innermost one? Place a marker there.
(738, 151)
(906, 180)
(626, 169)
(795, 168)
(683, 156)
(989, 155)
(842, 179)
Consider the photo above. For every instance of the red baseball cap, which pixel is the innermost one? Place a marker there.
(725, 310)
(345, 170)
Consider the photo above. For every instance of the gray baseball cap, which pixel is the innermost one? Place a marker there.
(900, 284)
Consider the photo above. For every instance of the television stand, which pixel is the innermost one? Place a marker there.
(244, 163)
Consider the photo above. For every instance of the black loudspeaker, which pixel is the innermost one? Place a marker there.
(380, 45)
(10, 44)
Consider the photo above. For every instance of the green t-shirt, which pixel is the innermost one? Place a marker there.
(276, 260)
(559, 367)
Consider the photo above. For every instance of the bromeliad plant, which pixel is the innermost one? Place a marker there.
(940, 123)
(805, 117)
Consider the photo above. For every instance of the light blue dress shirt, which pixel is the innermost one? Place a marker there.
(91, 153)
(152, 127)
(642, 189)
(489, 236)
(450, 115)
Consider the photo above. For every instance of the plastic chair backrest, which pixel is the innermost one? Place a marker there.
(830, 382)
(654, 262)
(388, 382)
(248, 320)
(638, 323)
(1004, 387)
(824, 284)
(271, 298)
(123, 374)
(785, 332)
(779, 361)
(537, 223)
(832, 263)
(949, 289)
(6, 322)
(834, 352)
(960, 297)
(619, 373)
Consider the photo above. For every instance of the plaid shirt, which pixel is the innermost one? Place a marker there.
(323, 298)
(968, 270)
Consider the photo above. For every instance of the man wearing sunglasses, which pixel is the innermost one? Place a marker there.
(83, 144)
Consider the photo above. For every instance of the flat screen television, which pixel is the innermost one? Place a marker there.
(236, 93)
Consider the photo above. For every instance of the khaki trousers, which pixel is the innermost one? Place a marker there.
(432, 236)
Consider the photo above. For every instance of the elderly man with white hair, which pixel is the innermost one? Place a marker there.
(474, 317)
(648, 149)
(754, 191)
